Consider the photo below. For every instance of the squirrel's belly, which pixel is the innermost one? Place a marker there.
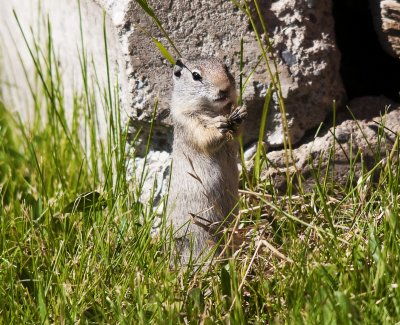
(201, 188)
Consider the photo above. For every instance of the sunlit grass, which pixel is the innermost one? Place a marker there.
(328, 256)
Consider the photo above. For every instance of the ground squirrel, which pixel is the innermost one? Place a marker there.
(204, 178)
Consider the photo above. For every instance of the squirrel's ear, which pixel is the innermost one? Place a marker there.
(178, 68)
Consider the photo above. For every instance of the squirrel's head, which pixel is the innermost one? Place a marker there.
(203, 84)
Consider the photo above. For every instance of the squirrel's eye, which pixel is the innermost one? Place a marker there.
(196, 75)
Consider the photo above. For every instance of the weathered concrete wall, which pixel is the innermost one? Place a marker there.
(65, 24)
(301, 32)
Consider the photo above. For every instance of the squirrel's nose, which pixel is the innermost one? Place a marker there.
(223, 93)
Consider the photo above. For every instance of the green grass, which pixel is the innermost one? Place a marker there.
(330, 256)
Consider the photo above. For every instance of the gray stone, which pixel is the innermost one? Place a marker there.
(361, 139)
(149, 177)
(359, 133)
(302, 34)
(303, 40)
(386, 14)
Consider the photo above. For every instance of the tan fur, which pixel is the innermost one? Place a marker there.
(204, 178)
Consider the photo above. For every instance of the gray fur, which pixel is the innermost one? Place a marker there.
(204, 177)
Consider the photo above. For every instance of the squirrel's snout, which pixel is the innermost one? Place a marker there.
(223, 94)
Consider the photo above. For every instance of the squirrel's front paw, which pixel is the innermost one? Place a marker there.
(221, 123)
(236, 117)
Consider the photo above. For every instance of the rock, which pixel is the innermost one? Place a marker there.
(304, 47)
(361, 140)
(358, 136)
(301, 32)
(149, 177)
(386, 14)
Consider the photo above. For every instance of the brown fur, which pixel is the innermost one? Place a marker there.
(204, 178)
